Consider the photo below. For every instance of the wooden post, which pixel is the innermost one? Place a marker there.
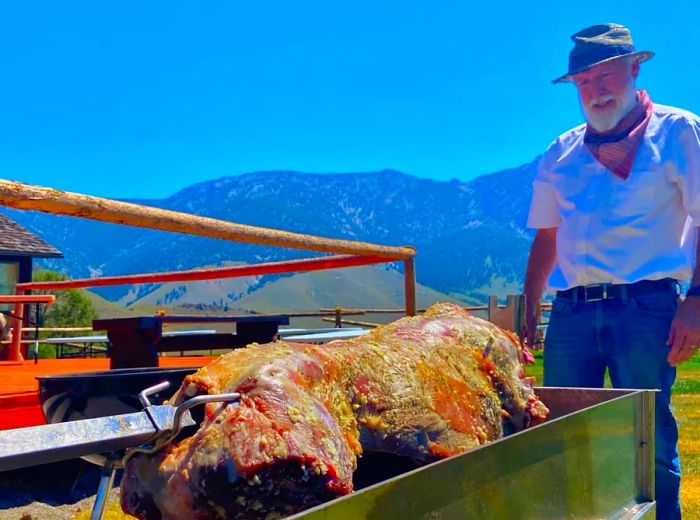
(410, 286)
(516, 302)
(15, 353)
(512, 316)
(25, 196)
(20, 299)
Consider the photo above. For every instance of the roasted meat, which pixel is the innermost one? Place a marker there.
(424, 387)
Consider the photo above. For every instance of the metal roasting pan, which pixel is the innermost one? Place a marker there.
(593, 458)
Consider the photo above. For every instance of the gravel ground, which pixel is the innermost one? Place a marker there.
(53, 491)
(43, 511)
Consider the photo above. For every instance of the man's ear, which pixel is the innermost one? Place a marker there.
(635, 69)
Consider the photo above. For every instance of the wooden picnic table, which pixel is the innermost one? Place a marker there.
(86, 344)
(137, 341)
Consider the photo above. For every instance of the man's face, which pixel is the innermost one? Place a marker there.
(607, 92)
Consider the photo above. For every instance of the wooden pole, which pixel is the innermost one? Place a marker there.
(15, 353)
(24, 196)
(410, 286)
(354, 322)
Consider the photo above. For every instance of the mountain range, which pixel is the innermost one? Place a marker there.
(470, 238)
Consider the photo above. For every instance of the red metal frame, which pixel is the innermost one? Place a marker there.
(27, 298)
(20, 300)
(22, 196)
(286, 266)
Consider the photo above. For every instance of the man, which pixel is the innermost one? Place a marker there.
(5, 332)
(615, 204)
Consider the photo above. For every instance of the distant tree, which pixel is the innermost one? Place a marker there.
(71, 308)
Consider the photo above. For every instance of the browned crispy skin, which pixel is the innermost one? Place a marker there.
(426, 388)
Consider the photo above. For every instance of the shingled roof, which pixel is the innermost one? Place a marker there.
(16, 240)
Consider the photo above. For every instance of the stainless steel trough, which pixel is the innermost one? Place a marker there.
(593, 458)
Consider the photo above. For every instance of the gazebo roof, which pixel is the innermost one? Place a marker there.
(16, 240)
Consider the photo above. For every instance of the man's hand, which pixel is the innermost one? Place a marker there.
(540, 263)
(684, 337)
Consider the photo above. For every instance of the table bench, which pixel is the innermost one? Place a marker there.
(320, 336)
(137, 341)
(86, 344)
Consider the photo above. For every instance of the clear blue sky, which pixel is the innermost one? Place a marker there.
(140, 99)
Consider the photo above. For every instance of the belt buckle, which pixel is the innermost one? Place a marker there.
(603, 296)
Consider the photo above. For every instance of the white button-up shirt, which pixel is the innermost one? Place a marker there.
(612, 230)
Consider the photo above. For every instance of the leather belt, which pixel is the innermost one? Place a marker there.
(608, 291)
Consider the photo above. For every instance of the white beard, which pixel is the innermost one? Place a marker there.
(606, 121)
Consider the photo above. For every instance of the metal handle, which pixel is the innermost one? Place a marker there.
(143, 396)
(166, 436)
(196, 401)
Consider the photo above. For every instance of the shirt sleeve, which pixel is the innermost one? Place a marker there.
(544, 208)
(688, 160)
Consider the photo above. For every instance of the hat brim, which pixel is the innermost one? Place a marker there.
(640, 55)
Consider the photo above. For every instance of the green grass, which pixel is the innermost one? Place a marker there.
(536, 370)
(686, 406)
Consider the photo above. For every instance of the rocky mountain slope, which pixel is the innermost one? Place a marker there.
(470, 236)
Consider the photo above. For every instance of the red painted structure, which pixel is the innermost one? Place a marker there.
(27, 197)
(217, 273)
(19, 396)
(19, 400)
(27, 298)
(20, 300)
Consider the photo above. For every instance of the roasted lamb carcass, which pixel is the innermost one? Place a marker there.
(425, 388)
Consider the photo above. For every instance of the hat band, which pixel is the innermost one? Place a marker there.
(591, 56)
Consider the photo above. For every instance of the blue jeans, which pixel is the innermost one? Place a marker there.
(629, 338)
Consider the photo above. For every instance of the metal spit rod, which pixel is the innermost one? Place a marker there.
(36, 445)
(145, 432)
(153, 427)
